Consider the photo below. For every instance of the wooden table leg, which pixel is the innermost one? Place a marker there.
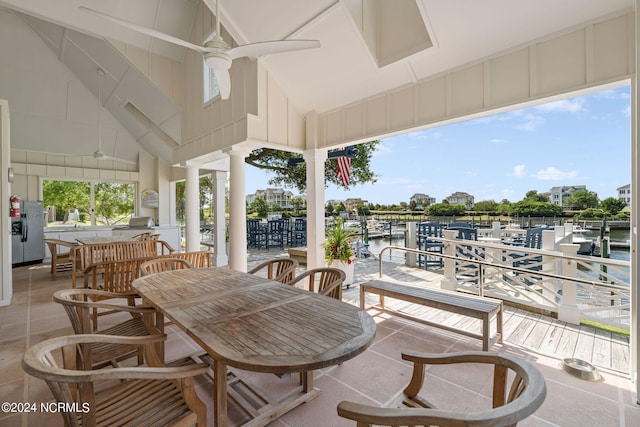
(159, 317)
(219, 393)
(307, 381)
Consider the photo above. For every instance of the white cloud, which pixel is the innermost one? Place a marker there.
(497, 141)
(383, 149)
(627, 111)
(553, 174)
(531, 122)
(572, 106)
(518, 171)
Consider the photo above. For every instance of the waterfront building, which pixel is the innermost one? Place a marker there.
(352, 203)
(422, 200)
(624, 193)
(461, 198)
(274, 197)
(557, 195)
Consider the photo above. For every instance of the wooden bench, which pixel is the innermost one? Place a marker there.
(473, 306)
(299, 254)
(84, 256)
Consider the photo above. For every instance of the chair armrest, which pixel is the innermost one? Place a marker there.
(61, 297)
(447, 358)
(289, 271)
(331, 287)
(166, 246)
(297, 279)
(259, 267)
(151, 373)
(59, 242)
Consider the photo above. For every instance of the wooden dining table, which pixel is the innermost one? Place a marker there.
(247, 322)
(102, 239)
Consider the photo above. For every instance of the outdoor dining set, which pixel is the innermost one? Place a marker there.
(271, 320)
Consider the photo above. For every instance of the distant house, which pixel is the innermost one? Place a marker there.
(624, 194)
(461, 198)
(422, 200)
(274, 197)
(352, 204)
(557, 195)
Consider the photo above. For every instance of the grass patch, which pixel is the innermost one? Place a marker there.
(608, 328)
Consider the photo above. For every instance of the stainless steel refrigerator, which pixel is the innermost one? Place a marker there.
(27, 234)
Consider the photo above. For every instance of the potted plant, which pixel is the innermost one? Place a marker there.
(338, 251)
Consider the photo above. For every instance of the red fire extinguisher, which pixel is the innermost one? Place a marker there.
(15, 206)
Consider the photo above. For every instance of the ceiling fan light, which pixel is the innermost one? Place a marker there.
(217, 61)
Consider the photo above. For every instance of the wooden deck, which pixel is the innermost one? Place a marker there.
(536, 332)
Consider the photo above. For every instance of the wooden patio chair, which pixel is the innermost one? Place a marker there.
(281, 270)
(114, 277)
(78, 305)
(153, 395)
(325, 281)
(198, 259)
(142, 236)
(427, 231)
(510, 403)
(61, 259)
(159, 265)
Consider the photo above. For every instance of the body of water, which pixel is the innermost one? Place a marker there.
(621, 235)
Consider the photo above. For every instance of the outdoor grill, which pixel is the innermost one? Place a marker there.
(141, 222)
(138, 223)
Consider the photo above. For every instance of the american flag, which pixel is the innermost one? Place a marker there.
(344, 169)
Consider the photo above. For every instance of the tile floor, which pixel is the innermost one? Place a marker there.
(375, 377)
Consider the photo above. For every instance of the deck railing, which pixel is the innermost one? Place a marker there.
(573, 286)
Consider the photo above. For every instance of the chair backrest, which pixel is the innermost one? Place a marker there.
(275, 226)
(430, 229)
(253, 225)
(511, 403)
(325, 281)
(117, 275)
(465, 233)
(76, 303)
(159, 265)
(197, 259)
(142, 236)
(300, 224)
(533, 238)
(279, 269)
(86, 255)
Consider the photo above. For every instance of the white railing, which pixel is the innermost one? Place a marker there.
(573, 286)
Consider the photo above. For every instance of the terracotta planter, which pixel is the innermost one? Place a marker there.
(347, 268)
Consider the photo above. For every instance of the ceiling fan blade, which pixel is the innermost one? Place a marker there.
(269, 47)
(224, 83)
(144, 30)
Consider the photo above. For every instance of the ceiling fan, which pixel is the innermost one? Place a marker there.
(99, 154)
(218, 55)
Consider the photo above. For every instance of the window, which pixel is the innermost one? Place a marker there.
(210, 84)
(73, 201)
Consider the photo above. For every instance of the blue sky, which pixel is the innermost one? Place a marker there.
(576, 141)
